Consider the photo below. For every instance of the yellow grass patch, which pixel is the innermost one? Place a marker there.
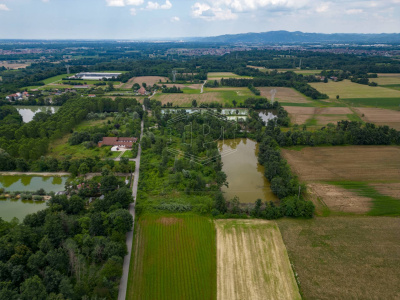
(284, 94)
(252, 262)
(347, 89)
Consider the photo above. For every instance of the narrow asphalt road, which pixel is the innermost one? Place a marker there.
(129, 236)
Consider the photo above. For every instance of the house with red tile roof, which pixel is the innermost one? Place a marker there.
(126, 142)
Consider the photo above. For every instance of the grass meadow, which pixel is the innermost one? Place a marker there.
(173, 257)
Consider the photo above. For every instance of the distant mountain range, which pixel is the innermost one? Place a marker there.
(286, 37)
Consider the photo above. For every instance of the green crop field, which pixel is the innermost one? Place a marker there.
(225, 75)
(173, 257)
(347, 89)
(393, 103)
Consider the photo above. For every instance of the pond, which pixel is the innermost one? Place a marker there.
(12, 183)
(28, 112)
(10, 208)
(245, 175)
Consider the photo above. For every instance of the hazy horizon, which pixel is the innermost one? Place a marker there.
(172, 19)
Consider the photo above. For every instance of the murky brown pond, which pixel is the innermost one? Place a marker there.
(245, 175)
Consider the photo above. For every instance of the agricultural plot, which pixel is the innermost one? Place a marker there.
(380, 116)
(253, 262)
(149, 80)
(284, 95)
(387, 79)
(347, 90)
(345, 258)
(314, 116)
(389, 103)
(343, 179)
(225, 75)
(174, 257)
(14, 65)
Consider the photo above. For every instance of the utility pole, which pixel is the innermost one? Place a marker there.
(173, 75)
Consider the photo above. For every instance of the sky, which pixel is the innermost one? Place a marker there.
(159, 19)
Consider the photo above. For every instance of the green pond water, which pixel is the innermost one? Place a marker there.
(28, 112)
(245, 175)
(20, 208)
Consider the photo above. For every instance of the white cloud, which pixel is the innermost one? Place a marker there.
(324, 7)
(45, 0)
(155, 5)
(134, 2)
(175, 19)
(4, 7)
(120, 3)
(354, 11)
(133, 11)
(206, 12)
(115, 2)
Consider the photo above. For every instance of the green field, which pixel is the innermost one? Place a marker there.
(392, 103)
(173, 257)
(56, 78)
(347, 89)
(382, 205)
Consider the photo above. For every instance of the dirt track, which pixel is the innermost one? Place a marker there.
(252, 262)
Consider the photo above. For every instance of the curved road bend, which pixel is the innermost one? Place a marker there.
(129, 236)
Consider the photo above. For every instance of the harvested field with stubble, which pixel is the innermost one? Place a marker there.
(300, 115)
(345, 258)
(284, 94)
(149, 80)
(380, 116)
(173, 257)
(253, 262)
(356, 163)
(339, 199)
(13, 65)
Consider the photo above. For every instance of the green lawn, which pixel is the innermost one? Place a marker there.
(56, 78)
(382, 205)
(173, 257)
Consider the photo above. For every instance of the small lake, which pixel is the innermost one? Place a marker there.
(245, 175)
(28, 112)
(10, 208)
(32, 183)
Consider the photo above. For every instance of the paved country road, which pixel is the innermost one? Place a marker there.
(129, 236)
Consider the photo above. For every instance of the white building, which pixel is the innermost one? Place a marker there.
(95, 76)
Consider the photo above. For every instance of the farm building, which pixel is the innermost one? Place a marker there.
(142, 91)
(95, 76)
(126, 142)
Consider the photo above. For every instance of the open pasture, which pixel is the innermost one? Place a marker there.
(185, 99)
(253, 262)
(340, 163)
(284, 95)
(387, 79)
(345, 258)
(347, 89)
(380, 116)
(173, 257)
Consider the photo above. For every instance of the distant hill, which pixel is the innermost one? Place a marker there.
(286, 37)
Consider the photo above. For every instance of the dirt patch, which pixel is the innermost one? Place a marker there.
(182, 99)
(345, 257)
(284, 94)
(13, 65)
(357, 163)
(388, 189)
(169, 221)
(380, 116)
(149, 80)
(252, 262)
(339, 199)
(299, 115)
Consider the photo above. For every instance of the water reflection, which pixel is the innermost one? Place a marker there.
(245, 175)
(28, 112)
